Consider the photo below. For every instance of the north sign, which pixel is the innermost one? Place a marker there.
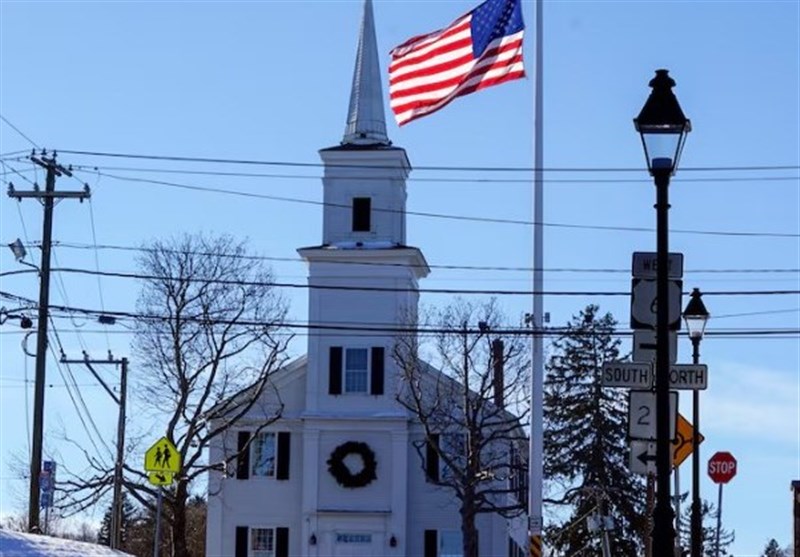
(722, 467)
(688, 377)
(645, 265)
(642, 415)
(644, 304)
(636, 375)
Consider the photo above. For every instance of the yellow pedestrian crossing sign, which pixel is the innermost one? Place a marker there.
(162, 457)
(160, 478)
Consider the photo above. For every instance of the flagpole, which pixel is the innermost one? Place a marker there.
(536, 460)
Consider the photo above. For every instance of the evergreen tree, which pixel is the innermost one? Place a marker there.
(585, 443)
(708, 531)
(773, 549)
(128, 517)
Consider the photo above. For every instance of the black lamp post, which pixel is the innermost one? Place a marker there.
(663, 128)
(696, 316)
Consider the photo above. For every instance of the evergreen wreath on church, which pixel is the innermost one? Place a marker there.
(340, 471)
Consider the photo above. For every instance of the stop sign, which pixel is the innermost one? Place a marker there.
(722, 467)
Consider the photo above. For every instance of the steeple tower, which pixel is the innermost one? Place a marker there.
(366, 123)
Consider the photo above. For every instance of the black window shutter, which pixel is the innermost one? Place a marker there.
(376, 383)
(284, 447)
(431, 545)
(281, 542)
(243, 460)
(432, 458)
(335, 371)
(241, 541)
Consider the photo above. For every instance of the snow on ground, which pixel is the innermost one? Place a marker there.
(18, 544)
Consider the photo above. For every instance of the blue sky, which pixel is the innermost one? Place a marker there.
(270, 81)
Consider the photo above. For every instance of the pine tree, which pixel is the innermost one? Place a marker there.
(773, 549)
(585, 442)
(708, 531)
(128, 517)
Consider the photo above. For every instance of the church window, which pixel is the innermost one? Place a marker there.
(355, 370)
(454, 447)
(264, 452)
(362, 207)
(263, 455)
(262, 542)
(443, 543)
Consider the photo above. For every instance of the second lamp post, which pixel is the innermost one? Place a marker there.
(696, 316)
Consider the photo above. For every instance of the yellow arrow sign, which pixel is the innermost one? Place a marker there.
(682, 444)
(162, 457)
(160, 478)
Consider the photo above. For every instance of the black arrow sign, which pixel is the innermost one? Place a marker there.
(161, 477)
(645, 457)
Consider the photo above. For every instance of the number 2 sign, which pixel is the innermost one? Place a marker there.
(642, 415)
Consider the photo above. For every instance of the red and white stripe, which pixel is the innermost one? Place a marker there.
(429, 71)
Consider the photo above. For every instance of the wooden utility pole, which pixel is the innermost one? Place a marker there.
(47, 198)
(115, 535)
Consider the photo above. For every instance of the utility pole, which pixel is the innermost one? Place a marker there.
(115, 536)
(47, 198)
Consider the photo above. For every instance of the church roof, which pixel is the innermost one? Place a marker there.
(366, 123)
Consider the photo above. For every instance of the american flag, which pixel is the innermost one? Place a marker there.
(480, 49)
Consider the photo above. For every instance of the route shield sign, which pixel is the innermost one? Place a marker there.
(642, 415)
(162, 457)
(644, 304)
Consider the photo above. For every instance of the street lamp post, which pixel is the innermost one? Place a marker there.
(696, 316)
(663, 128)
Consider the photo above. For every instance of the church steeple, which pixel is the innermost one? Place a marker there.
(366, 123)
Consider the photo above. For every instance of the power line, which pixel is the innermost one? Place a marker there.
(252, 162)
(306, 286)
(77, 245)
(460, 180)
(446, 216)
(373, 329)
(16, 129)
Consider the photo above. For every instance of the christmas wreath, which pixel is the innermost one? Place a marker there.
(342, 473)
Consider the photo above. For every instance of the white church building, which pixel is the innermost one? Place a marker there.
(337, 474)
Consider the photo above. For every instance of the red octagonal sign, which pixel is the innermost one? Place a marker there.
(722, 467)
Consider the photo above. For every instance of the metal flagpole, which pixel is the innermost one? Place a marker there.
(535, 461)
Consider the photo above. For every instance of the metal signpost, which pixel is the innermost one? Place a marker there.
(162, 462)
(722, 467)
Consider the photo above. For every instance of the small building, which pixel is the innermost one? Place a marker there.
(338, 473)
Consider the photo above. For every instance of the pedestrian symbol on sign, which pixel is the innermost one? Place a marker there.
(162, 457)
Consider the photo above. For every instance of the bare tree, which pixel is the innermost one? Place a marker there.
(208, 336)
(468, 393)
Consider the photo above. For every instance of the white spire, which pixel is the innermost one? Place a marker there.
(366, 124)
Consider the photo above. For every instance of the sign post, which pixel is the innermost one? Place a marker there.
(162, 462)
(721, 469)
